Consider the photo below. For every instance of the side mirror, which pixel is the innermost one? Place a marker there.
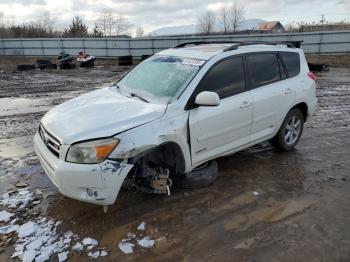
(207, 98)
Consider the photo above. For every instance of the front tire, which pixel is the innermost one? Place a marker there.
(290, 131)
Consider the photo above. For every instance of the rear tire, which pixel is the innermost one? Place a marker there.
(290, 131)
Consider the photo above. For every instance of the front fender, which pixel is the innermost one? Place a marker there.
(149, 136)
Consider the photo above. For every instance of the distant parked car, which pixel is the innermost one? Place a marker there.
(172, 115)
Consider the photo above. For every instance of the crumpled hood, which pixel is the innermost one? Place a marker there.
(101, 113)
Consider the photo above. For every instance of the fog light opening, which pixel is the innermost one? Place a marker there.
(90, 192)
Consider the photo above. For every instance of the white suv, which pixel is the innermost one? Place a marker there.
(174, 112)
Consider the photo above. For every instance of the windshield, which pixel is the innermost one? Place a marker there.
(160, 78)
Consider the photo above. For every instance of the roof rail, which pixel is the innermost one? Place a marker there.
(236, 44)
(290, 44)
(206, 42)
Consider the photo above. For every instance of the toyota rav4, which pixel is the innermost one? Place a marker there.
(171, 116)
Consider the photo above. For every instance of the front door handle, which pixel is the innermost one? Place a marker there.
(245, 104)
(288, 91)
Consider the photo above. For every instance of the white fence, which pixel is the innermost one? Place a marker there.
(313, 43)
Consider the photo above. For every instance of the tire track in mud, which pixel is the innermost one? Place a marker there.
(333, 93)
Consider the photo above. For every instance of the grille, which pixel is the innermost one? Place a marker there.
(50, 141)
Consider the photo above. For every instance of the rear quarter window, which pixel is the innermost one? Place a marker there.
(291, 61)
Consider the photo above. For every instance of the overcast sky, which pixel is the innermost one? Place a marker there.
(152, 14)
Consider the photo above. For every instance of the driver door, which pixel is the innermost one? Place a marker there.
(216, 130)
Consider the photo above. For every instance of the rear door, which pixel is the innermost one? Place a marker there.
(220, 129)
(273, 94)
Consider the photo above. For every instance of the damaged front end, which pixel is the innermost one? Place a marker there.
(150, 178)
(93, 183)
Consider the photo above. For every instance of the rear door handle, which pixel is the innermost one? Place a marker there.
(245, 104)
(288, 91)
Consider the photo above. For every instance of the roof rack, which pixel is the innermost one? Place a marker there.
(236, 44)
(206, 42)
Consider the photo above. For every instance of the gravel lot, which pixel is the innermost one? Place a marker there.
(264, 206)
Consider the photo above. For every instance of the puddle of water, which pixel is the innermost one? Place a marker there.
(15, 105)
(16, 147)
(235, 202)
(273, 212)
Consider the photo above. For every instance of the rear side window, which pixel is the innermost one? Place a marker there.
(291, 62)
(282, 71)
(226, 78)
(263, 69)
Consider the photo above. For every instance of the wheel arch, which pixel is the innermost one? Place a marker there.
(168, 154)
(303, 108)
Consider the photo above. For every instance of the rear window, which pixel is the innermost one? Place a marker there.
(291, 62)
(264, 69)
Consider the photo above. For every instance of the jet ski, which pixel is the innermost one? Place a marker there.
(65, 61)
(85, 59)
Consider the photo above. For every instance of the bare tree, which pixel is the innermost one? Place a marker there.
(96, 32)
(236, 15)
(105, 22)
(224, 16)
(206, 23)
(101, 22)
(110, 23)
(2, 19)
(139, 32)
(121, 25)
(47, 23)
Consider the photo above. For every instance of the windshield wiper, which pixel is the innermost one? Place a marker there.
(134, 95)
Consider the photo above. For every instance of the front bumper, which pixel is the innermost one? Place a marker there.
(93, 183)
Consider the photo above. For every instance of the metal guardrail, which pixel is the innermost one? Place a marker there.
(326, 42)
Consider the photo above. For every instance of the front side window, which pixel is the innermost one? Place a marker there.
(226, 78)
(160, 78)
(263, 68)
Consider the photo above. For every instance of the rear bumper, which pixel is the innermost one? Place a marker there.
(312, 107)
(93, 183)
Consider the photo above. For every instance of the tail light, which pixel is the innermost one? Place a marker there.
(312, 76)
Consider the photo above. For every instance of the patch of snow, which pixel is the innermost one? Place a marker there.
(255, 193)
(131, 235)
(103, 253)
(89, 241)
(89, 248)
(126, 247)
(94, 255)
(28, 256)
(146, 242)
(142, 226)
(17, 254)
(26, 229)
(68, 234)
(36, 244)
(38, 239)
(8, 229)
(5, 216)
(78, 247)
(19, 198)
(62, 256)
(42, 257)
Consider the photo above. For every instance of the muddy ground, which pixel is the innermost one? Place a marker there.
(264, 206)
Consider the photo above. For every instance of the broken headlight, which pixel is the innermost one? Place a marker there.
(91, 152)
